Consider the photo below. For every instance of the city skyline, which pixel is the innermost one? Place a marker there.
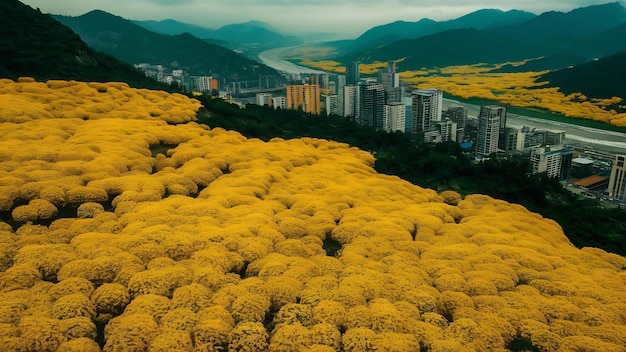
(297, 16)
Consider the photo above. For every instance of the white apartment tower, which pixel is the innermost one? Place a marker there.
(341, 83)
(279, 102)
(351, 101)
(264, 99)
(394, 117)
(329, 103)
(426, 109)
(489, 121)
(617, 181)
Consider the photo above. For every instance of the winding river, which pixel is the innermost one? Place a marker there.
(608, 141)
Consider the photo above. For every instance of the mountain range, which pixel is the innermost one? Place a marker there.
(399, 30)
(134, 44)
(574, 37)
(231, 36)
(35, 45)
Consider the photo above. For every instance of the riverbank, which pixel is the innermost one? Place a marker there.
(274, 59)
(578, 132)
(604, 140)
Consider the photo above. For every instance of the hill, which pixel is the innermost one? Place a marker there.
(134, 44)
(392, 32)
(602, 78)
(138, 229)
(562, 38)
(35, 45)
(232, 36)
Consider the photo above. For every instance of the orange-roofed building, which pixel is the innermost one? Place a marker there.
(593, 183)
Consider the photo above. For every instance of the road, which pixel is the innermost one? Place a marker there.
(608, 141)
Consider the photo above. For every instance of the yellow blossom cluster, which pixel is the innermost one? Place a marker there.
(516, 89)
(187, 238)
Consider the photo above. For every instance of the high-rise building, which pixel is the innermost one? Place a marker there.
(264, 99)
(390, 80)
(555, 162)
(279, 102)
(445, 129)
(489, 121)
(329, 103)
(332, 87)
(321, 79)
(371, 100)
(340, 82)
(394, 116)
(507, 140)
(617, 181)
(351, 101)
(352, 74)
(458, 116)
(305, 97)
(427, 107)
(554, 137)
(204, 84)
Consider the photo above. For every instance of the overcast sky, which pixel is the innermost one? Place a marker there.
(348, 18)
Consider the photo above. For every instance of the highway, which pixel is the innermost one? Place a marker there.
(609, 141)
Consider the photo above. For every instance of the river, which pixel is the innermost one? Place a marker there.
(274, 59)
(602, 140)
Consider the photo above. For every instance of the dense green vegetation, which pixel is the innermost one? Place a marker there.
(36, 45)
(437, 166)
(602, 78)
(134, 44)
(564, 39)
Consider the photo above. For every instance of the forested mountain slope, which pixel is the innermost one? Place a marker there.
(35, 45)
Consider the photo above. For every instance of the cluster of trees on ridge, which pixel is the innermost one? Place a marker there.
(436, 166)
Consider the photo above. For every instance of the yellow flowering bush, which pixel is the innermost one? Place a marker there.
(191, 238)
(477, 81)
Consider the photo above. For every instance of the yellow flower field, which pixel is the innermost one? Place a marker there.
(516, 89)
(127, 226)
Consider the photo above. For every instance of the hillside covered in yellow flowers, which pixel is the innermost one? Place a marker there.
(127, 226)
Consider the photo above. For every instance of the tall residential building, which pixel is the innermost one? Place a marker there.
(371, 100)
(332, 87)
(445, 129)
(352, 74)
(340, 81)
(489, 121)
(617, 181)
(329, 104)
(388, 76)
(263, 99)
(351, 101)
(279, 102)
(205, 84)
(555, 162)
(427, 107)
(321, 79)
(507, 140)
(555, 137)
(394, 116)
(458, 116)
(305, 97)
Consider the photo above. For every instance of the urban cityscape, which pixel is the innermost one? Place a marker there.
(384, 103)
